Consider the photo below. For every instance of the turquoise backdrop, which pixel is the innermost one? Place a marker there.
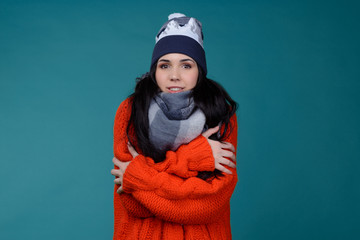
(293, 67)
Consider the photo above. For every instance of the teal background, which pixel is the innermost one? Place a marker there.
(293, 67)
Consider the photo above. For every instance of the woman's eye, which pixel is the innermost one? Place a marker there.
(163, 66)
(187, 66)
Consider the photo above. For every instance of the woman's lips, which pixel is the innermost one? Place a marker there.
(175, 89)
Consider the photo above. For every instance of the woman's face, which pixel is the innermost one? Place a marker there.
(176, 72)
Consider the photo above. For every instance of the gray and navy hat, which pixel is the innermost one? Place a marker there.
(180, 34)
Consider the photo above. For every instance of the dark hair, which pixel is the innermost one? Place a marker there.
(208, 95)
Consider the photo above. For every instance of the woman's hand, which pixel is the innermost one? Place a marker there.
(221, 151)
(119, 173)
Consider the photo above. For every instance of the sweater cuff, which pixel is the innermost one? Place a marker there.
(202, 158)
(135, 173)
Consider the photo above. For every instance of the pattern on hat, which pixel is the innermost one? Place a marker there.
(179, 24)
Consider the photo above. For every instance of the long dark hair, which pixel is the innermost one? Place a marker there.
(208, 95)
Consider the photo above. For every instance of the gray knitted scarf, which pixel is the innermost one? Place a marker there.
(174, 120)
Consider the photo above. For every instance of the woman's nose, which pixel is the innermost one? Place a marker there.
(174, 75)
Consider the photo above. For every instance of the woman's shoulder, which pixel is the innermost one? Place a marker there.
(124, 107)
(126, 103)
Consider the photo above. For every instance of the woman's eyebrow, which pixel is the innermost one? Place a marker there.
(186, 59)
(164, 60)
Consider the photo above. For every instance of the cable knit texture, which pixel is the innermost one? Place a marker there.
(166, 200)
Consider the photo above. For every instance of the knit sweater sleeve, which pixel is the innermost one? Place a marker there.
(180, 163)
(186, 201)
(185, 162)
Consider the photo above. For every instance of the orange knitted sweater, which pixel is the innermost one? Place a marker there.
(166, 200)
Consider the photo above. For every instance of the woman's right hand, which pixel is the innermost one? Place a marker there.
(221, 151)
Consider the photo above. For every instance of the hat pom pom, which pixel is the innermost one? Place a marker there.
(175, 15)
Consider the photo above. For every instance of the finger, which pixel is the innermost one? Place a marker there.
(222, 168)
(115, 172)
(228, 145)
(233, 157)
(132, 150)
(116, 161)
(120, 190)
(210, 131)
(228, 154)
(227, 163)
(118, 181)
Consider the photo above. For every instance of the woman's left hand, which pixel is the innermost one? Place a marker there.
(222, 152)
(119, 173)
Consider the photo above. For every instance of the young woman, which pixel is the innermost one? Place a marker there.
(174, 145)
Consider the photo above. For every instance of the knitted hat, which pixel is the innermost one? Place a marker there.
(180, 34)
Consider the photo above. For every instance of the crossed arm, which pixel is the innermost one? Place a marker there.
(170, 189)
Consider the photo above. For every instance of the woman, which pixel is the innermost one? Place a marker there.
(174, 145)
